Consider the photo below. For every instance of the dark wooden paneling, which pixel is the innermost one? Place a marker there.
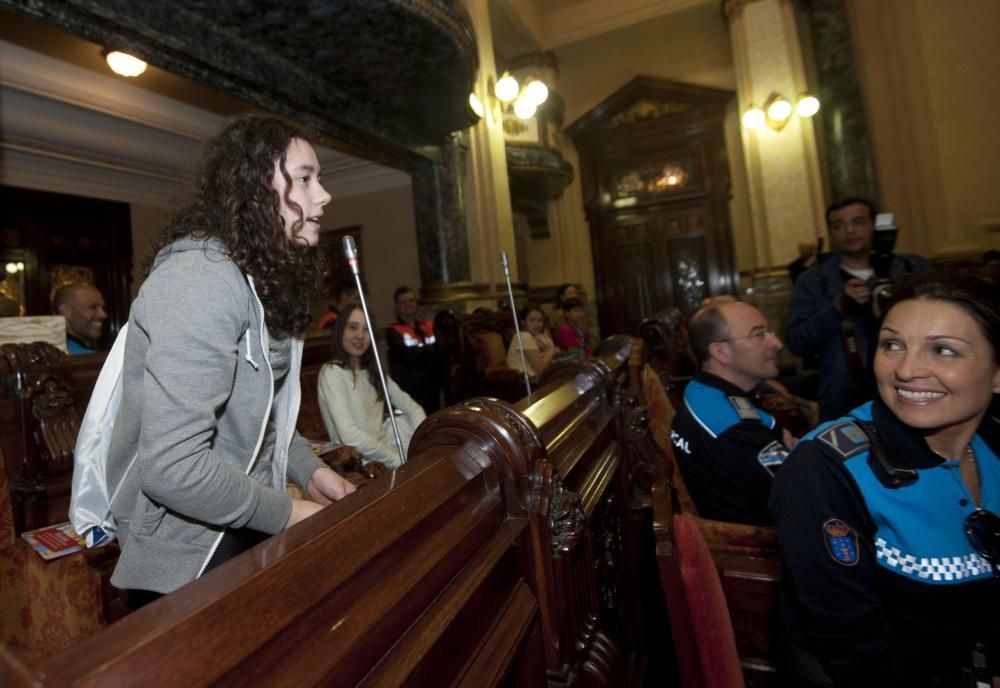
(500, 554)
(50, 229)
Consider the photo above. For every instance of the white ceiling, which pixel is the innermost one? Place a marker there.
(68, 129)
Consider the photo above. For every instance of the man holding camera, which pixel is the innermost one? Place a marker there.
(832, 312)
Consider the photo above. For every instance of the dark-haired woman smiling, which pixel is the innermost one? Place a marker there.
(351, 401)
(888, 517)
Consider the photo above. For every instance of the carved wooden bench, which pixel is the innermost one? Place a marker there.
(502, 552)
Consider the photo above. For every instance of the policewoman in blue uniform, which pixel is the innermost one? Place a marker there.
(887, 517)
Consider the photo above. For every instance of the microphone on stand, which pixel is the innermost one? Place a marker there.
(505, 264)
(351, 253)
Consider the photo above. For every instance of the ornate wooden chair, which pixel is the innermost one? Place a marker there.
(704, 603)
(475, 351)
(665, 335)
(45, 606)
(747, 557)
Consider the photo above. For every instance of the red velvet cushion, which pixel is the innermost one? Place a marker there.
(708, 616)
(661, 414)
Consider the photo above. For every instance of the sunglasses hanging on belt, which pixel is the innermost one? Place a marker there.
(983, 530)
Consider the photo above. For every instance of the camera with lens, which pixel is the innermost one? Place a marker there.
(883, 243)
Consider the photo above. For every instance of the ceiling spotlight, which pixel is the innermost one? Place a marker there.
(124, 64)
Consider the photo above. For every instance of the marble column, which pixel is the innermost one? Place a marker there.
(462, 200)
(439, 210)
(847, 142)
(786, 186)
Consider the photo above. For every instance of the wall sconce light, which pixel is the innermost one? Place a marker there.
(124, 64)
(777, 111)
(510, 96)
(476, 105)
(523, 99)
(15, 267)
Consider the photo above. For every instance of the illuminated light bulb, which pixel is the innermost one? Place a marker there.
(476, 105)
(807, 106)
(124, 64)
(672, 180)
(753, 118)
(524, 108)
(779, 110)
(20, 266)
(537, 92)
(12, 268)
(507, 88)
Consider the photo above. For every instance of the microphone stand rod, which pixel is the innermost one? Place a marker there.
(505, 264)
(351, 252)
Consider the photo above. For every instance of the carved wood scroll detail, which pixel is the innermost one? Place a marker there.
(566, 519)
(608, 559)
(648, 109)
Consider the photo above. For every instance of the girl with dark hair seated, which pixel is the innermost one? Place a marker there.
(351, 401)
(539, 349)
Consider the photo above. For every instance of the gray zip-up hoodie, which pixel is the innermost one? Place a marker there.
(197, 390)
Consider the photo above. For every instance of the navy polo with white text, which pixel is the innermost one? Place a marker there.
(728, 450)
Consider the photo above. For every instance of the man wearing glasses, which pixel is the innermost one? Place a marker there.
(727, 447)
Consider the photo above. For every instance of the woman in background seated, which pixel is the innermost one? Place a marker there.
(571, 336)
(565, 291)
(539, 349)
(887, 517)
(351, 400)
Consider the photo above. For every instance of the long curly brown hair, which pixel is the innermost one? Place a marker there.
(234, 201)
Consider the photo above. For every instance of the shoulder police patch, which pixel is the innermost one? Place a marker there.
(847, 439)
(772, 456)
(744, 408)
(841, 542)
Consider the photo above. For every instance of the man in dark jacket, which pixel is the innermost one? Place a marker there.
(414, 361)
(831, 313)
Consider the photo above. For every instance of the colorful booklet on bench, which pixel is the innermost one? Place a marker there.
(55, 541)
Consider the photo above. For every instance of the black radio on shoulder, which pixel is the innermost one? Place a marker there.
(891, 468)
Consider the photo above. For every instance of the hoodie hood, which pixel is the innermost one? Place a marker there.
(211, 246)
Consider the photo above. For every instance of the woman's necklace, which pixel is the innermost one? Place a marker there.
(970, 474)
(969, 470)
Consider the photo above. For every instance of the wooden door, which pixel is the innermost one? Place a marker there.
(656, 189)
(654, 258)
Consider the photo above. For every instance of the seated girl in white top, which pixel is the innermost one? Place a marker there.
(539, 351)
(350, 395)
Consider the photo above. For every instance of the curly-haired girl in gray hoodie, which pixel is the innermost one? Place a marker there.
(205, 434)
